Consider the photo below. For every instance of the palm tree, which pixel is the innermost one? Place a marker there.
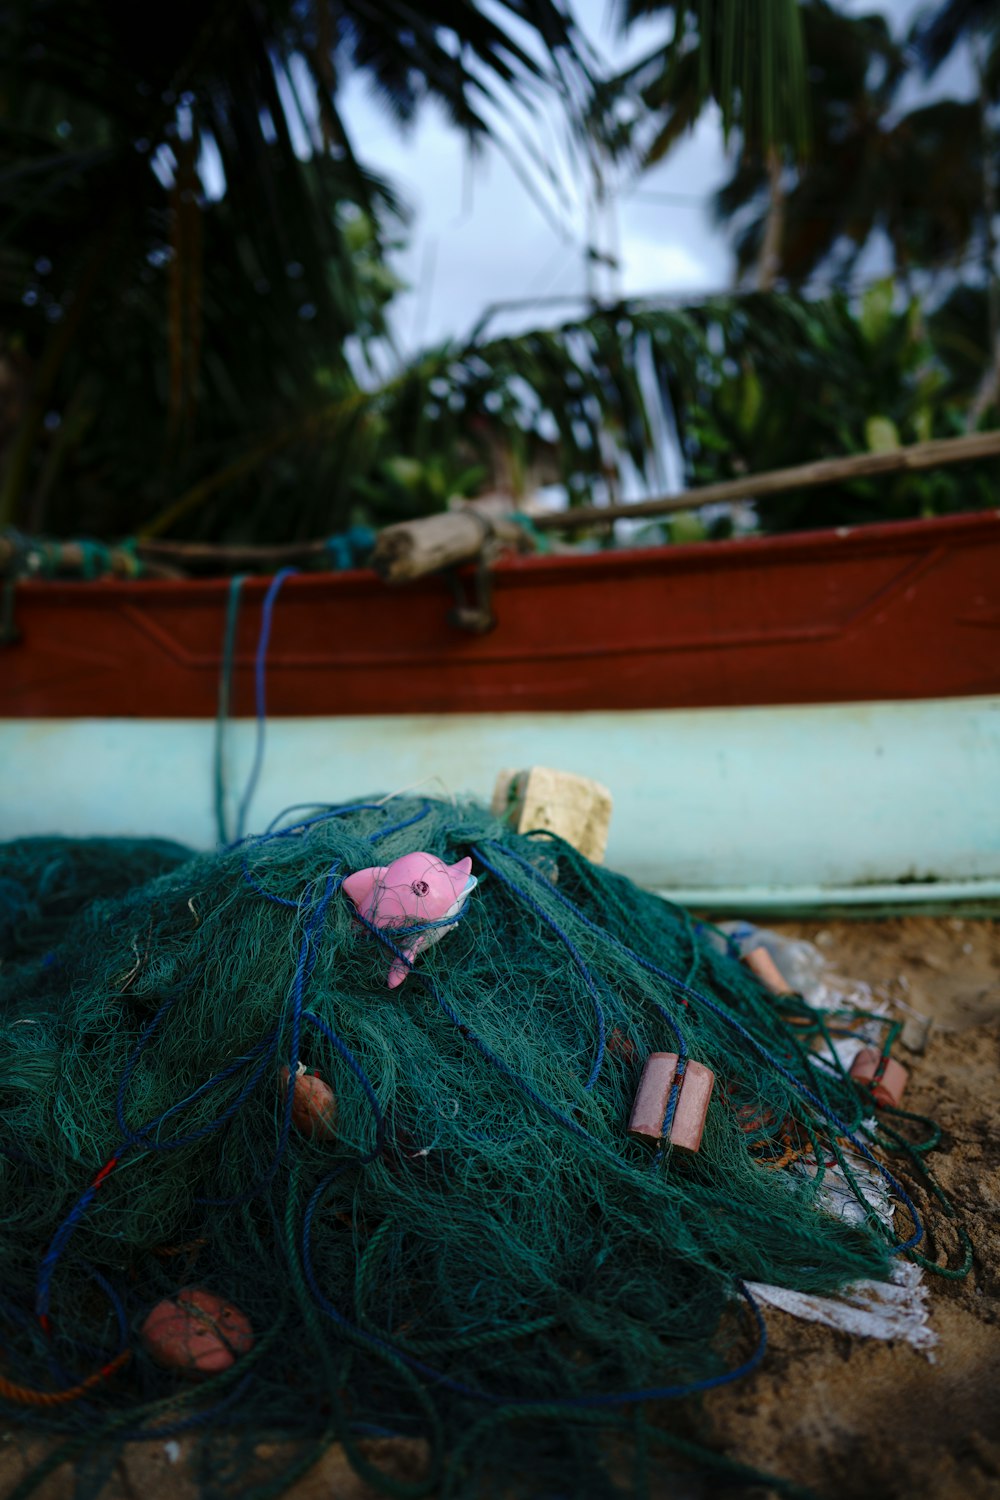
(936, 38)
(940, 32)
(192, 253)
(749, 59)
(178, 193)
(915, 176)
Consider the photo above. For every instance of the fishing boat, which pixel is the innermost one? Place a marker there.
(792, 722)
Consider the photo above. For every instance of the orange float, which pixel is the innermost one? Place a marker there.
(196, 1333)
(314, 1105)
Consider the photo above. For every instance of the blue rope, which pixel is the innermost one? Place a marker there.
(675, 1092)
(307, 823)
(141, 1137)
(260, 890)
(362, 1077)
(260, 685)
(581, 967)
(572, 1403)
(897, 1247)
(497, 1062)
(216, 1124)
(59, 1371)
(682, 1049)
(332, 810)
(383, 833)
(225, 695)
(326, 810)
(305, 964)
(206, 1418)
(131, 1138)
(404, 932)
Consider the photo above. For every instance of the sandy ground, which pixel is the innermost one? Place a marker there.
(856, 1418)
(847, 1417)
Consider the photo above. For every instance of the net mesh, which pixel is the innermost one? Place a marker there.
(479, 1258)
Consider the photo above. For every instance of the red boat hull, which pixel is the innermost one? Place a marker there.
(902, 610)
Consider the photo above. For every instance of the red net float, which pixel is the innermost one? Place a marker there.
(196, 1333)
(652, 1100)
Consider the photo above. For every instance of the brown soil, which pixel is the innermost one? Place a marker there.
(847, 1417)
(853, 1418)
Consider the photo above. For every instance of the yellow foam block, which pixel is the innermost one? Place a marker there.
(574, 807)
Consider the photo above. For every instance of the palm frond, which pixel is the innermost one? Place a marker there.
(937, 34)
(916, 176)
(211, 137)
(749, 59)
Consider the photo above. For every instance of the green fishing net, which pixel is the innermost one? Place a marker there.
(478, 1256)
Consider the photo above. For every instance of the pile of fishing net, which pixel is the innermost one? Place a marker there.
(456, 1240)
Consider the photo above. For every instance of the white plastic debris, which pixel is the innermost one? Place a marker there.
(836, 1196)
(801, 963)
(896, 1309)
(916, 1029)
(806, 969)
(892, 1310)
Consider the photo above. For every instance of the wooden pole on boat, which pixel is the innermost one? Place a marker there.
(911, 460)
(414, 548)
(411, 549)
(71, 560)
(253, 557)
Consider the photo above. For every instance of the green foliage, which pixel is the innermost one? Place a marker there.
(960, 328)
(194, 285)
(403, 488)
(915, 175)
(189, 245)
(748, 59)
(780, 381)
(941, 29)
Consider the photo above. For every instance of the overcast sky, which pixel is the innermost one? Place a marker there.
(477, 237)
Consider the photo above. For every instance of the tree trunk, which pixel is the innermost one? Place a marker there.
(769, 264)
(988, 391)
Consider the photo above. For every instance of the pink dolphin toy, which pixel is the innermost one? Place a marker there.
(416, 888)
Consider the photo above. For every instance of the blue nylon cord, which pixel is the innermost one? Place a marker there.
(481, 1046)
(578, 961)
(360, 1074)
(225, 693)
(59, 1372)
(574, 1403)
(256, 886)
(260, 687)
(675, 1093)
(199, 1419)
(322, 814)
(141, 1138)
(383, 833)
(188, 1140)
(497, 1062)
(405, 932)
(682, 1049)
(305, 964)
(300, 828)
(306, 961)
(898, 1247)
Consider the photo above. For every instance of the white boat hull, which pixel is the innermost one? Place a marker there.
(762, 808)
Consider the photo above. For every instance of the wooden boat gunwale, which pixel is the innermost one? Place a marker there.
(894, 610)
(829, 764)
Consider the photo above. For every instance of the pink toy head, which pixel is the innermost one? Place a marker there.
(413, 889)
